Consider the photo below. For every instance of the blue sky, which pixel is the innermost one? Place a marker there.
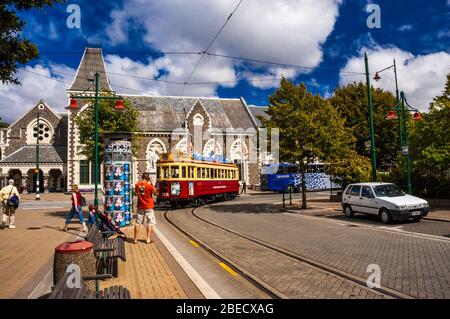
(328, 37)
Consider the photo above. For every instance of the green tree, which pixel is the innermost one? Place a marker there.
(310, 128)
(3, 124)
(351, 103)
(14, 49)
(430, 146)
(109, 120)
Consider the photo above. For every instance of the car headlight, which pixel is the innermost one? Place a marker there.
(175, 188)
(424, 205)
(401, 207)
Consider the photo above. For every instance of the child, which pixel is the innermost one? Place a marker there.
(91, 219)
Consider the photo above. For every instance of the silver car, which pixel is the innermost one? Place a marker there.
(384, 200)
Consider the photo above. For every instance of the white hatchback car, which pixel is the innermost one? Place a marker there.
(384, 200)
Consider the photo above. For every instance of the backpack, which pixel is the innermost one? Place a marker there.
(13, 201)
(83, 201)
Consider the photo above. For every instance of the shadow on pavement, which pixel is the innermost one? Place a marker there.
(244, 208)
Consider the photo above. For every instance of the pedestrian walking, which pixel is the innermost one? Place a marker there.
(77, 203)
(244, 187)
(145, 204)
(10, 199)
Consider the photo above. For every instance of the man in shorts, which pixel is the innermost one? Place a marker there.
(145, 214)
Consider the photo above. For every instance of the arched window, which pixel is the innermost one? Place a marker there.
(210, 149)
(44, 132)
(154, 149)
(181, 146)
(237, 150)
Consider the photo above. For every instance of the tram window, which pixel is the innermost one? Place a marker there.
(165, 171)
(174, 172)
(183, 171)
(216, 174)
(158, 173)
(191, 172)
(199, 172)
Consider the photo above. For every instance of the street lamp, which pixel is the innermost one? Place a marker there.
(119, 107)
(377, 77)
(400, 108)
(38, 195)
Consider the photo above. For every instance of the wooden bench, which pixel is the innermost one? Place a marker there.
(62, 291)
(106, 250)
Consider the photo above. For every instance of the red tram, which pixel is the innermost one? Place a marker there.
(188, 181)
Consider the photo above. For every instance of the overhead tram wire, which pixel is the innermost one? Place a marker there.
(164, 81)
(209, 46)
(122, 53)
(279, 64)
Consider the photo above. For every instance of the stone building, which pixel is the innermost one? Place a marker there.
(18, 150)
(224, 126)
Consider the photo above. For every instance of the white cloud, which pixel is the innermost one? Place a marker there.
(15, 100)
(421, 77)
(405, 27)
(289, 31)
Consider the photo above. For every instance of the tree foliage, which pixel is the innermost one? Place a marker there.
(109, 121)
(430, 143)
(14, 49)
(351, 103)
(310, 128)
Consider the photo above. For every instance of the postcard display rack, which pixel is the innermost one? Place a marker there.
(117, 182)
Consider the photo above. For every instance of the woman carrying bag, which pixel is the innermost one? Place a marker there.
(77, 202)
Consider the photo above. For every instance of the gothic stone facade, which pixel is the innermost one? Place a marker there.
(18, 149)
(222, 126)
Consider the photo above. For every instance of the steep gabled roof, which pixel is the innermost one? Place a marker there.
(259, 110)
(166, 113)
(91, 62)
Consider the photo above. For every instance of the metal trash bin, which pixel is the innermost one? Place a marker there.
(79, 253)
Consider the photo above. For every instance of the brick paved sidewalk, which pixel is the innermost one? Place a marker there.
(150, 275)
(26, 252)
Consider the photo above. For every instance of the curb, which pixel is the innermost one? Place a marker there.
(438, 219)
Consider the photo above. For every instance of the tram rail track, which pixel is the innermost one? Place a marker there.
(264, 286)
(261, 285)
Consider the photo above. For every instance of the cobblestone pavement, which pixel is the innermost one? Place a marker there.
(293, 278)
(412, 264)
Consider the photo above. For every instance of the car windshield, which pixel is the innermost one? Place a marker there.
(389, 190)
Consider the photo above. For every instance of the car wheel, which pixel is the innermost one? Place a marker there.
(348, 212)
(385, 216)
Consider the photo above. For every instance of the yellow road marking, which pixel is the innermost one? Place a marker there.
(231, 271)
(193, 243)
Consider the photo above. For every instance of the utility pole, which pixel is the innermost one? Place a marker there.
(38, 175)
(372, 137)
